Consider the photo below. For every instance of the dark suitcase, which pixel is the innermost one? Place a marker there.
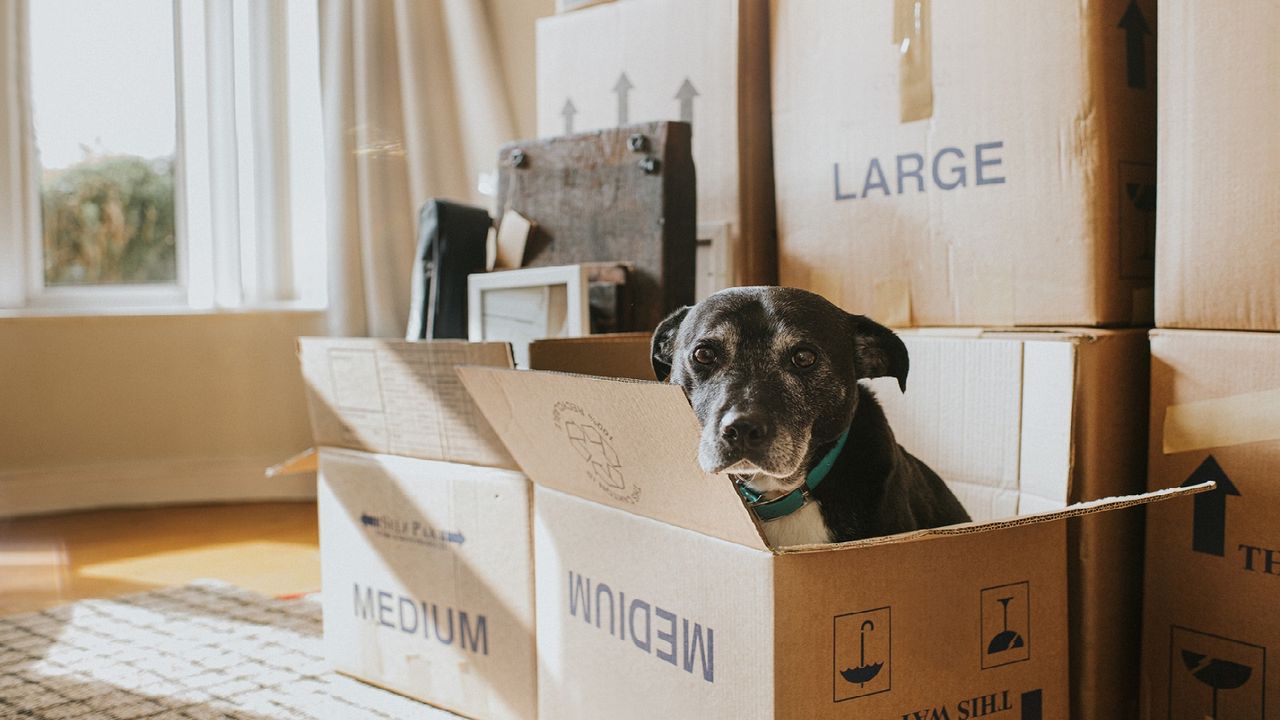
(452, 240)
(619, 195)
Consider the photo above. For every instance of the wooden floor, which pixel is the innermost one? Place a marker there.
(271, 548)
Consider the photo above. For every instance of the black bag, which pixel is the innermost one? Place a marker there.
(451, 245)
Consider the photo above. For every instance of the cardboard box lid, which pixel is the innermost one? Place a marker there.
(400, 397)
(627, 444)
(634, 446)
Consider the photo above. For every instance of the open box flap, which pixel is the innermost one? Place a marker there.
(627, 444)
(1081, 508)
(400, 397)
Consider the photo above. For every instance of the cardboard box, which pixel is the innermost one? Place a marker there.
(976, 163)
(425, 545)
(706, 63)
(1050, 418)
(1211, 632)
(1219, 182)
(617, 355)
(658, 597)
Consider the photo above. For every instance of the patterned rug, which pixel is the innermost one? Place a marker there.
(200, 652)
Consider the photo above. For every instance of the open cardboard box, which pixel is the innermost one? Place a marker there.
(425, 537)
(658, 597)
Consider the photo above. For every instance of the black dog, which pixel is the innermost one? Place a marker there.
(772, 374)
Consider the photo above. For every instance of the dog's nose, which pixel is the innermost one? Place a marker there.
(744, 431)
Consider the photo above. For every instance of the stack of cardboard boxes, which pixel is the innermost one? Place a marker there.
(980, 175)
(1211, 631)
(991, 165)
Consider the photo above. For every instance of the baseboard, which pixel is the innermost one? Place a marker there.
(156, 482)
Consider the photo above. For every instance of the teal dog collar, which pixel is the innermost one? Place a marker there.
(780, 507)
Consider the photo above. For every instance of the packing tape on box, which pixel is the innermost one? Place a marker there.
(915, 62)
(1222, 422)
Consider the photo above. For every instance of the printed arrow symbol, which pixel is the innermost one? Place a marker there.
(623, 87)
(1135, 29)
(685, 95)
(567, 112)
(1209, 519)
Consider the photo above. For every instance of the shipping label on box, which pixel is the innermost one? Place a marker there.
(705, 63)
(1211, 632)
(659, 568)
(428, 587)
(967, 163)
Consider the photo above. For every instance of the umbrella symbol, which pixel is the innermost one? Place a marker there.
(864, 673)
(1005, 639)
(1217, 674)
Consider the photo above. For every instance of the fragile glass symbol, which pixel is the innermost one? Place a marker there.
(1006, 639)
(596, 451)
(1217, 674)
(863, 673)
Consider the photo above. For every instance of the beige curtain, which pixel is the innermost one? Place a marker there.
(17, 156)
(415, 107)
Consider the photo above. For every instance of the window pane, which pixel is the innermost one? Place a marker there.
(102, 85)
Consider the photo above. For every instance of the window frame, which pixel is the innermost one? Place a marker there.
(233, 195)
(148, 295)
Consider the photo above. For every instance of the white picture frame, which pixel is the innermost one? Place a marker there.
(520, 306)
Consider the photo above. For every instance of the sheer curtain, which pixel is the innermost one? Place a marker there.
(16, 156)
(415, 107)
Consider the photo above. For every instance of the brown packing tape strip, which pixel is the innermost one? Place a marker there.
(1222, 422)
(915, 58)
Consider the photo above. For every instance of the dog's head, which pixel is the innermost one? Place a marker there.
(772, 375)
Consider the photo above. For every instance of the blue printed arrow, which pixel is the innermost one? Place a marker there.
(685, 95)
(623, 87)
(1135, 29)
(455, 537)
(567, 112)
(1209, 519)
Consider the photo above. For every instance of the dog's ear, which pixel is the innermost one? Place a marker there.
(663, 345)
(877, 351)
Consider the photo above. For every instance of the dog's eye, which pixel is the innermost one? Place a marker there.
(704, 355)
(803, 358)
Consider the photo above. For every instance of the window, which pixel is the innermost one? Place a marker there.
(173, 155)
(105, 119)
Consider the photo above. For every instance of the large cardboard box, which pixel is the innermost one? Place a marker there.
(1219, 181)
(1212, 632)
(658, 597)
(971, 163)
(706, 63)
(1022, 421)
(1049, 418)
(425, 538)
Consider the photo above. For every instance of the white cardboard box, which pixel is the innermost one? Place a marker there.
(425, 549)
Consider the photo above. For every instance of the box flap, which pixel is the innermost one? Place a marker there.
(627, 444)
(617, 355)
(400, 398)
(1089, 507)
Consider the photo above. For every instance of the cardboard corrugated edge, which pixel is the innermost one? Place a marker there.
(1076, 510)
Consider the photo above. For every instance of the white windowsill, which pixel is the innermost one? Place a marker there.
(156, 310)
